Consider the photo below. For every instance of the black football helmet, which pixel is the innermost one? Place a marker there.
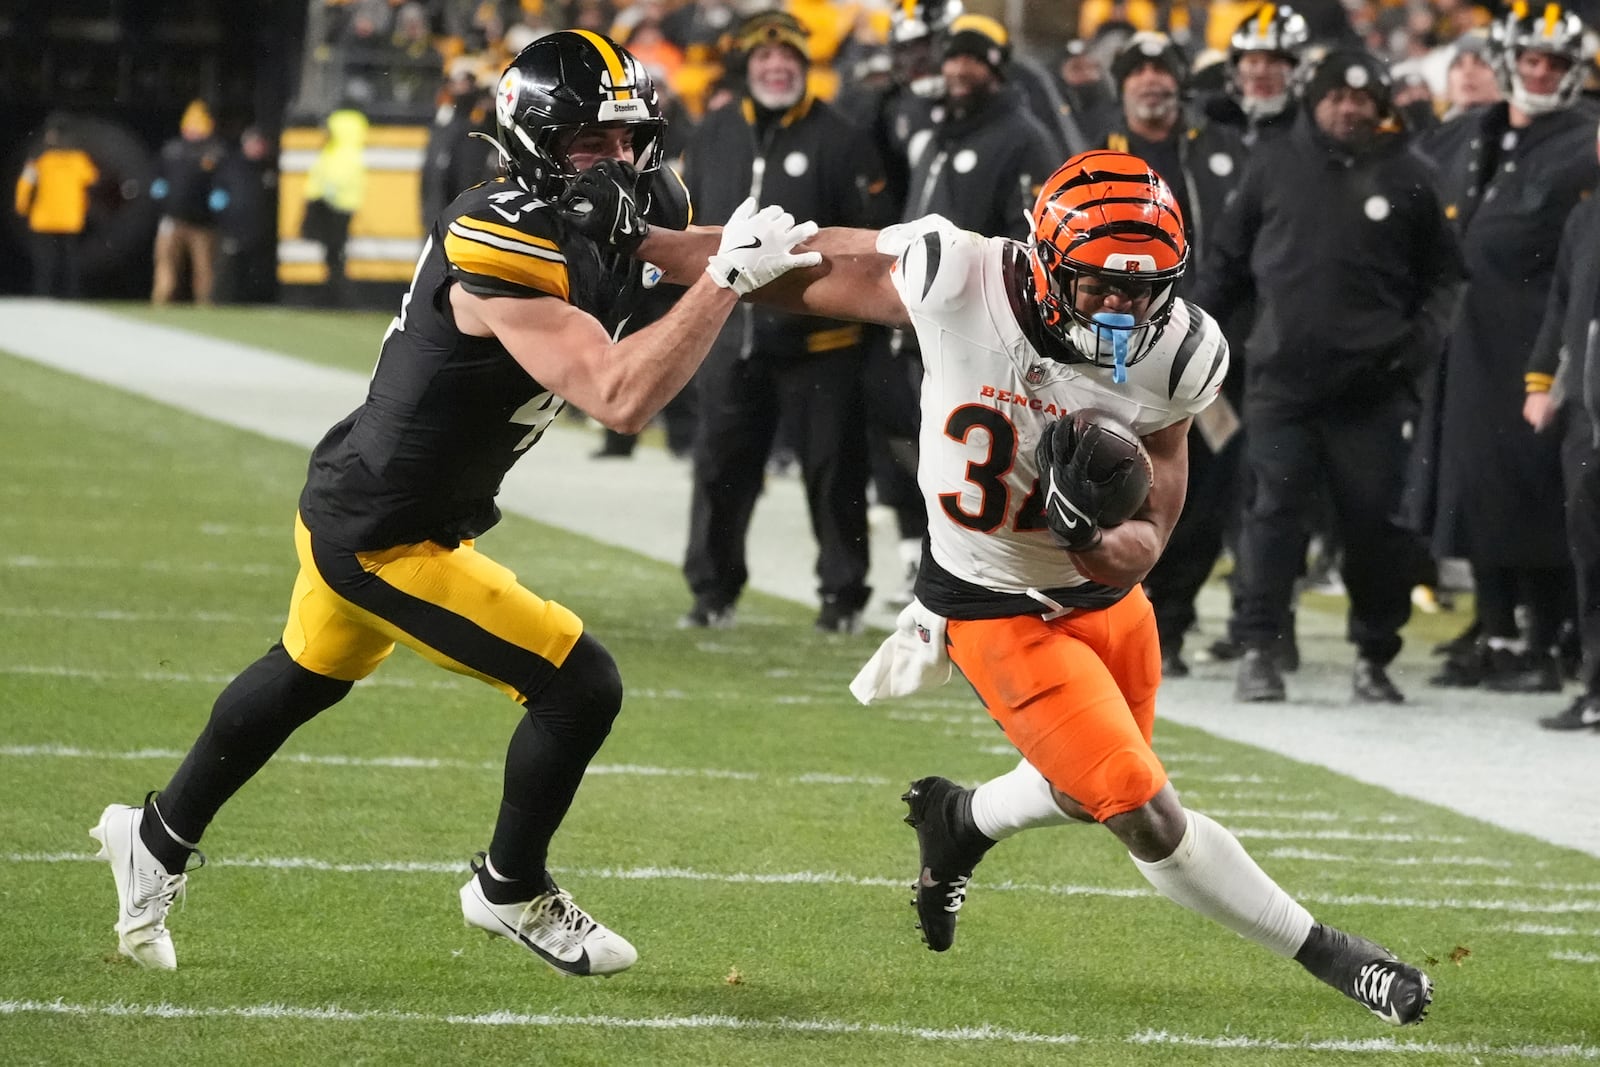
(1555, 29)
(565, 81)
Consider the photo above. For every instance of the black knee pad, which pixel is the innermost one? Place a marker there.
(584, 695)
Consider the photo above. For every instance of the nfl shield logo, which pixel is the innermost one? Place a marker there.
(1035, 374)
(924, 634)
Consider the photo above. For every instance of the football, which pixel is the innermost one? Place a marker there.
(1116, 459)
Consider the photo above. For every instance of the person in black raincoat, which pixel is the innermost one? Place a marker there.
(1509, 175)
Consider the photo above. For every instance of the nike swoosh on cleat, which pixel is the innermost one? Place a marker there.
(133, 883)
(555, 961)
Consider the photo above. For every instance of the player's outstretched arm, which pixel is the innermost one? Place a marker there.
(1126, 552)
(624, 383)
(851, 282)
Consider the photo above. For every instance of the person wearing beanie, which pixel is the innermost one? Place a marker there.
(189, 200)
(780, 145)
(1339, 235)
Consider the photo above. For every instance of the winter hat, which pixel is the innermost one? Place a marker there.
(1349, 68)
(980, 37)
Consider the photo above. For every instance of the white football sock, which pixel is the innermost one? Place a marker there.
(1017, 800)
(1211, 874)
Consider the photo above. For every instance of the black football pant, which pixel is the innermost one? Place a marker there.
(893, 380)
(1358, 455)
(1196, 541)
(741, 398)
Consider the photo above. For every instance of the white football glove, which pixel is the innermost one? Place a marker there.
(757, 246)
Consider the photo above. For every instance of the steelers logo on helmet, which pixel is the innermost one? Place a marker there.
(559, 85)
(1107, 253)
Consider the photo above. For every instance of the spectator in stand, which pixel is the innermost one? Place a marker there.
(53, 196)
(454, 160)
(415, 63)
(1510, 174)
(1470, 81)
(247, 222)
(186, 236)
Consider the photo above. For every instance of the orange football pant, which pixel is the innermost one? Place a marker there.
(1075, 695)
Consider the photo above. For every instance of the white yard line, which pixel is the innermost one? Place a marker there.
(1504, 905)
(979, 1035)
(1478, 753)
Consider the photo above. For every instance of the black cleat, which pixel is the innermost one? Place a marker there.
(949, 847)
(1368, 974)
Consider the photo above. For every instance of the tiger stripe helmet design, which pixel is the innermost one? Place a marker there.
(1106, 219)
(561, 83)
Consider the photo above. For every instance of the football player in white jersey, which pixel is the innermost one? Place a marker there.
(1041, 609)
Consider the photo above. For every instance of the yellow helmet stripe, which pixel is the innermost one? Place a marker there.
(1264, 18)
(1552, 15)
(612, 60)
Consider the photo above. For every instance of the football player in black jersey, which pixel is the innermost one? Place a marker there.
(511, 313)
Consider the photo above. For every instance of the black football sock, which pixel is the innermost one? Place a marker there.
(550, 750)
(164, 845)
(250, 721)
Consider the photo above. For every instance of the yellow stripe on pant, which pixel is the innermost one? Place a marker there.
(453, 606)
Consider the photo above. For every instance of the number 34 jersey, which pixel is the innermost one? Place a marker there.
(446, 414)
(988, 391)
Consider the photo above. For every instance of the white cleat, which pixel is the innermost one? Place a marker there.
(145, 891)
(552, 927)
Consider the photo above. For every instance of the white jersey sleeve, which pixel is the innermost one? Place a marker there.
(938, 266)
(1191, 355)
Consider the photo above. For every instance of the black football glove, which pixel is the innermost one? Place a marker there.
(599, 203)
(1070, 522)
(1077, 487)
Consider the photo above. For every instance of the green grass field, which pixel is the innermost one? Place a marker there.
(741, 825)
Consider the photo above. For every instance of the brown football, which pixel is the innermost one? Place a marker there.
(1112, 442)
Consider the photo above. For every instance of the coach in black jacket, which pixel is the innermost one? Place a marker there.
(782, 146)
(1338, 229)
(1563, 398)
